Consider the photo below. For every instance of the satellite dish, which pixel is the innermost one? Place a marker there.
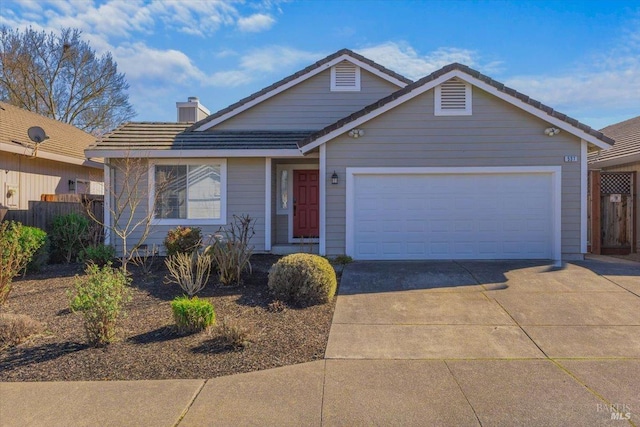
(36, 134)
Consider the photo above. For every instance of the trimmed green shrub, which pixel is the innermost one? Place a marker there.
(304, 279)
(192, 314)
(16, 328)
(98, 254)
(183, 240)
(101, 296)
(17, 246)
(40, 257)
(68, 236)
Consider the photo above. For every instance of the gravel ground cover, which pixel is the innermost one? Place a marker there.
(148, 346)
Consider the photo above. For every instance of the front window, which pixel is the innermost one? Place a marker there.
(189, 191)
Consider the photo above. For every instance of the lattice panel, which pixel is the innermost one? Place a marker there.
(615, 183)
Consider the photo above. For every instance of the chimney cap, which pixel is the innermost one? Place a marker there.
(192, 99)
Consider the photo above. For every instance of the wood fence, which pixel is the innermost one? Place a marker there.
(41, 214)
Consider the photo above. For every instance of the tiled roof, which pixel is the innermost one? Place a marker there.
(64, 139)
(297, 75)
(175, 136)
(455, 66)
(627, 136)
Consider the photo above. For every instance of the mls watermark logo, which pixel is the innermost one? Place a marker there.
(617, 411)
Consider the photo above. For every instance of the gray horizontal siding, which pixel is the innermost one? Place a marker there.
(497, 134)
(245, 195)
(310, 105)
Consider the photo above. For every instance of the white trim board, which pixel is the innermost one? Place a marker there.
(475, 82)
(556, 193)
(583, 196)
(267, 204)
(284, 87)
(28, 152)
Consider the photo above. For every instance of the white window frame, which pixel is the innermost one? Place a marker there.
(182, 162)
(335, 88)
(468, 95)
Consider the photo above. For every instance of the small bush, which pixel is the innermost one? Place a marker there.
(100, 296)
(189, 270)
(16, 328)
(183, 240)
(17, 246)
(304, 279)
(234, 335)
(230, 250)
(40, 257)
(276, 306)
(192, 314)
(343, 259)
(68, 236)
(98, 254)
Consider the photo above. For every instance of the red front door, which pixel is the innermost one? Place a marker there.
(306, 207)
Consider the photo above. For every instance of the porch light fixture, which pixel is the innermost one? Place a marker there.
(356, 133)
(334, 178)
(72, 185)
(551, 131)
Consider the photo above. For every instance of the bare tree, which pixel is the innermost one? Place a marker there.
(129, 208)
(60, 76)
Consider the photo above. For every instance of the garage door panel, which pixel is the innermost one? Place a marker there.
(445, 216)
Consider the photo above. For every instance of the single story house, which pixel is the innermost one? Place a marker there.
(49, 161)
(355, 159)
(618, 170)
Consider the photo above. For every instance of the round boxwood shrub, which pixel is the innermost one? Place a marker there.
(304, 279)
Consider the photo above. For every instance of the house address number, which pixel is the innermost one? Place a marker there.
(570, 159)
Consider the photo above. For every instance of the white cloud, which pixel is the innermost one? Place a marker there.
(256, 23)
(609, 82)
(273, 58)
(141, 62)
(404, 59)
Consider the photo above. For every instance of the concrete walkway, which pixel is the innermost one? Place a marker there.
(412, 343)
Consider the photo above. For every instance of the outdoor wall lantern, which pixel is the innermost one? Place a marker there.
(356, 133)
(334, 178)
(551, 131)
(72, 185)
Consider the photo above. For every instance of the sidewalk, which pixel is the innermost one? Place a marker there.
(449, 343)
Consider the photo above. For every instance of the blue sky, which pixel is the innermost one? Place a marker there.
(580, 57)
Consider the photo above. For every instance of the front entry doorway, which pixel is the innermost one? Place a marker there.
(306, 203)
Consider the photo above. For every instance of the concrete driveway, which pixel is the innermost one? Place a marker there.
(412, 343)
(488, 310)
(513, 342)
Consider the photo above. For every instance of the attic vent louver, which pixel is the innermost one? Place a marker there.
(345, 76)
(453, 98)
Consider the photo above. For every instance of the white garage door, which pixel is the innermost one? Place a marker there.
(451, 216)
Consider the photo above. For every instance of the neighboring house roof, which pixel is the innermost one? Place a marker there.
(292, 80)
(462, 71)
(66, 143)
(175, 136)
(626, 149)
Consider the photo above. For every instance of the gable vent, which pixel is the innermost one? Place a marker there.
(345, 76)
(453, 98)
